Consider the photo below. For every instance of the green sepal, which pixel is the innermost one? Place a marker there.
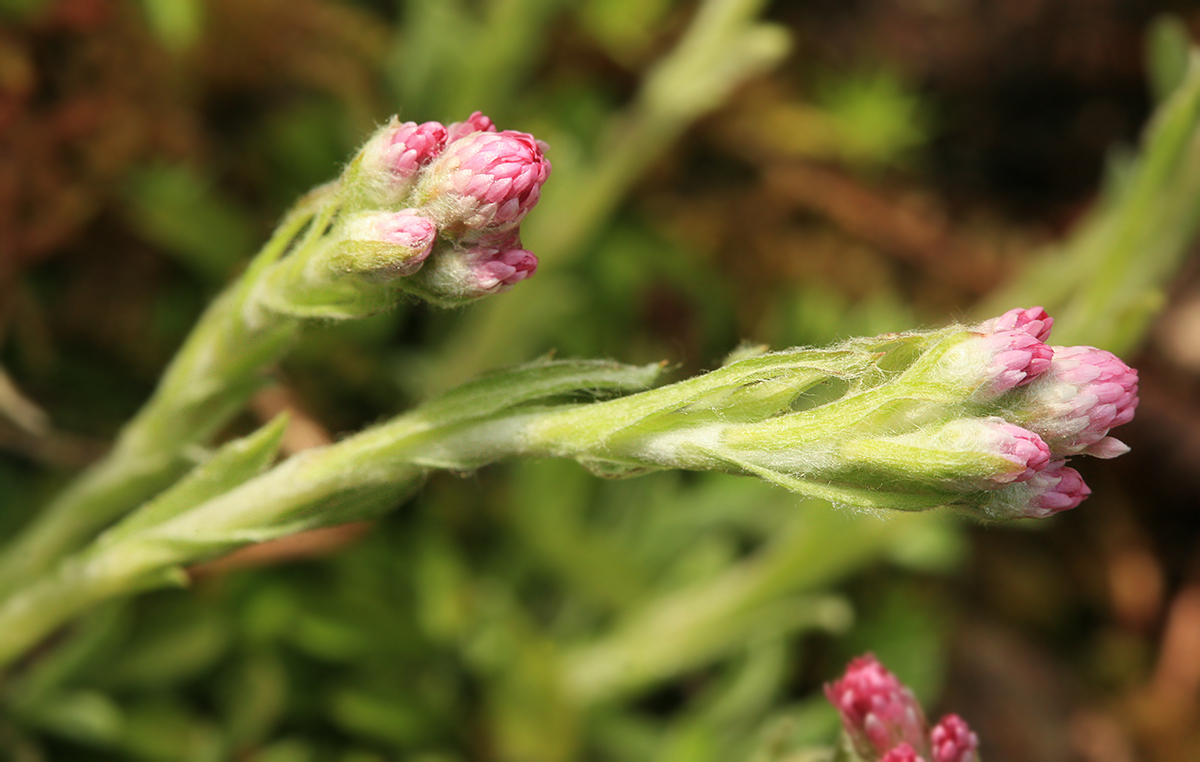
(900, 463)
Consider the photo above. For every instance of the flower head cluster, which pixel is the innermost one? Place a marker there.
(878, 712)
(883, 722)
(1069, 398)
(1042, 404)
(468, 183)
(983, 417)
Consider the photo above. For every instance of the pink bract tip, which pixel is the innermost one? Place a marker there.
(1033, 321)
(953, 740)
(1025, 449)
(406, 228)
(1054, 490)
(1085, 393)
(902, 753)
(412, 146)
(1016, 358)
(878, 712)
(500, 270)
(476, 122)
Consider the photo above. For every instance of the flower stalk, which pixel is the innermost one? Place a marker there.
(348, 249)
(903, 421)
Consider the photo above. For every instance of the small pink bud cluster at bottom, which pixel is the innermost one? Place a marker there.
(505, 269)
(878, 712)
(902, 753)
(884, 723)
(1063, 401)
(1058, 488)
(953, 740)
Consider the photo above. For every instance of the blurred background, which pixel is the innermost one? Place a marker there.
(725, 171)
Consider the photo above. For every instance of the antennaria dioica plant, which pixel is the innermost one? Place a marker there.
(979, 416)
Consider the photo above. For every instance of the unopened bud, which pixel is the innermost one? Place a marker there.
(878, 711)
(386, 245)
(1085, 392)
(902, 753)
(483, 184)
(964, 454)
(953, 741)
(1033, 321)
(993, 363)
(388, 165)
(1054, 489)
(457, 274)
(476, 122)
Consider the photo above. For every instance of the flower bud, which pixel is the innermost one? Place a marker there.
(902, 753)
(457, 274)
(953, 741)
(964, 454)
(476, 122)
(483, 184)
(1085, 392)
(1033, 321)
(389, 163)
(878, 712)
(993, 363)
(1056, 489)
(385, 245)
(1025, 450)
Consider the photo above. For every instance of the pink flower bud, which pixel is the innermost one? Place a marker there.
(1054, 490)
(1033, 321)
(387, 245)
(1016, 359)
(1024, 449)
(902, 753)
(395, 154)
(1085, 393)
(457, 274)
(993, 363)
(504, 269)
(484, 184)
(878, 712)
(476, 122)
(953, 740)
(412, 146)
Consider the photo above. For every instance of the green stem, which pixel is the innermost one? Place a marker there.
(211, 377)
(332, 485)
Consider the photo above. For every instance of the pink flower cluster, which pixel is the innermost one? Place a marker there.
(1065, 400)
(884, 722)
(470, 183)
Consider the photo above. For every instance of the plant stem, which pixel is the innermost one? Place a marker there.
(209, 380)
(330, 485)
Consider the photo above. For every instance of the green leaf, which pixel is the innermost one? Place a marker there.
(235, 463)
(539, 381)
(1167, 46)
